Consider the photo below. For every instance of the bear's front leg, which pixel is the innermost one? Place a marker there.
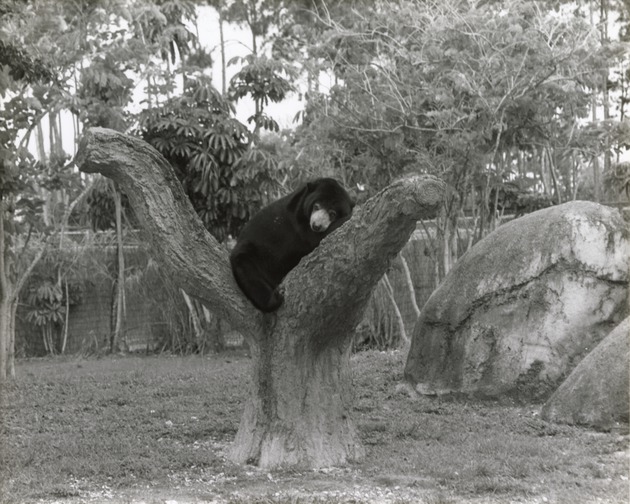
(255, 284)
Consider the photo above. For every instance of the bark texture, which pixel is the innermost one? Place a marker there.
(298, 412)
(175, 236)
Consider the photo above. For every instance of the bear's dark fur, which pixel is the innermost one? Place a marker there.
(272, 243)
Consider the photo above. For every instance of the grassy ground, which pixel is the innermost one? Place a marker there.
(156, 429)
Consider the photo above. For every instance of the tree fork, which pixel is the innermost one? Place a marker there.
(298, 413)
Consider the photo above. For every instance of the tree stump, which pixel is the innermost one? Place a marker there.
(298, 413)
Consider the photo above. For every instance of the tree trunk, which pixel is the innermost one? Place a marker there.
(64, 339)
(298, 413)
(410, 286)
(11, 340)
(399, 318)
(120, 279)
(194, 320)
(4, 295)
(4, 336)
(596, 173)
(223, 60)
(9, 297)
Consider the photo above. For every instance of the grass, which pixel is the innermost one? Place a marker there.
(152, 429)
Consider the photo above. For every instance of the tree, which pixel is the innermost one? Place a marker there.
(95, 53)
(17, 261)
(483, 94)
(223, 174)
(17, 194)
(298, 413)
(261, 78)
(105, 91)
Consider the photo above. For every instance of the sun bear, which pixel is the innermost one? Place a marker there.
(273, 241)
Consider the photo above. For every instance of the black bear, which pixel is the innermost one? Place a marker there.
(272, 243)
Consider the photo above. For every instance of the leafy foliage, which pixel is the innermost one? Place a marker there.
(261, 79)
(490, 97)
(104, 92)
(448, 87)
(46, 302)
(99, 209)
(617, 179)
(17, 65)
(223, 173)
(48, 297)
(25, 181)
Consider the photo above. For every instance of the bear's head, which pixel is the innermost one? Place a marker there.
(326, 205)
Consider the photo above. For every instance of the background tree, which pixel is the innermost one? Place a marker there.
(497, 99)
(227, 171)
(492, 99)
(104, 92)
(225, 177)
(90, 51)
(17, 192)
(261, 78)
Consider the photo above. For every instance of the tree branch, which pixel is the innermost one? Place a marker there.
(171, 227)
(325, 295)
(328, 291)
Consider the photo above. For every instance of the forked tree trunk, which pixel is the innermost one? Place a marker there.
(298, 413)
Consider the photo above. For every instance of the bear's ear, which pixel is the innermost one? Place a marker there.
(297, 201)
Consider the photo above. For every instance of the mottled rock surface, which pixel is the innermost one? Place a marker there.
(596, 392)
(524, 305)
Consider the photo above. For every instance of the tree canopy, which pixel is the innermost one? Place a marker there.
(516, 105)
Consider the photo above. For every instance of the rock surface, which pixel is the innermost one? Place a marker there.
(524, 305)
(596, 392)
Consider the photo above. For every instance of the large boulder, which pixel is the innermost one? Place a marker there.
(596, 392)
(521, 308)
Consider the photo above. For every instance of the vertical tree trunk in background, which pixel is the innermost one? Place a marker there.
(11, 340)
(9, 297)
(539, 159)
(299, 410)
(194, 319)
(603, 27)
(596, 172)
(7, 338)
(552, 172)
(409, 284)
(64, 339)
(223, 62)
(120, 280)
(399, 318)
(4, 335)
(4, 295)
